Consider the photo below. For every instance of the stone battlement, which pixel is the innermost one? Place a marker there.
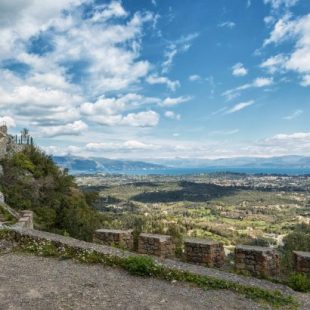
(23, 236)
(10, 145)
(204, 252)
(158, 245)
(258, 261)
(302, 262)
(119, 238)
(26, 220)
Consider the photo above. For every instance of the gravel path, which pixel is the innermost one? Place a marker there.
(30, 282)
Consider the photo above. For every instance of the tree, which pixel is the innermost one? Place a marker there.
(32, 181)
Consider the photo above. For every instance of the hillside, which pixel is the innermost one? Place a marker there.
(31, 180)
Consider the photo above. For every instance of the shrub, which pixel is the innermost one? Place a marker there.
(299, 282)
(32, 181)
(298, 240)
(140, 265)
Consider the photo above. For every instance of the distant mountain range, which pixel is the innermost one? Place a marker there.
(291, 161)
(105, 165)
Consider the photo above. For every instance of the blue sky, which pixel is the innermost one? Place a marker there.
(158, 78)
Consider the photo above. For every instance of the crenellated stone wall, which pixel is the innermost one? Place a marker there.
(258, 261)
(8, 145)
(302, 262)
(26, 220)
(119, 238)
(158, 245)
(205, 252)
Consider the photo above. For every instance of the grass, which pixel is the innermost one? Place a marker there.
(299, 282)
(146, 266)
(7, 216)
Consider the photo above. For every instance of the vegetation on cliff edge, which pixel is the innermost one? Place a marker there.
(32, 181)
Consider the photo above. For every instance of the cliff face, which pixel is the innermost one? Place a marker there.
(3, 146)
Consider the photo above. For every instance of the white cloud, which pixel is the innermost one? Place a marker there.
(103, 105)
(111, 111)
(115, 105)
(63, 150)
(111, 65)
(240, 106)
(134, 144)
(294, 136)
(224, 132)
(239, 70)
(136, 148)
(227, 24)
(39, 105)
(74, 129)
(119, 146)
(276, 4)
(262, 82)
(179, 46)
(8, 121)
(305, 80)
(50, 98)
(113, 9)
(259, 82)
(274, 63)
(172, 85)
(298, 31)
(194, 78)
(172, 115)
(294, 115)
(298, 142)
(169, 57)
(269, 20)
(139, 119)
(168, 102)
(283, 29)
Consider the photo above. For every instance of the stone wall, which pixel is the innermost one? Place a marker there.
(1, 198)
(3, 146)
(19, 236)
(8, 147)
(158, 245)
(119, 238)
(26, 220)
(204, 252)
(302, 262)
(258, 261)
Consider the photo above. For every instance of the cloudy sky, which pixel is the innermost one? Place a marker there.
(146, 79)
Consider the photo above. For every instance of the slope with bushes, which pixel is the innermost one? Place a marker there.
(32, 181)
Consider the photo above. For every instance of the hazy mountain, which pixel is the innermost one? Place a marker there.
(93, 165)
(292, 161)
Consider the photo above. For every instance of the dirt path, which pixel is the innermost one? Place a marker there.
(29, 282)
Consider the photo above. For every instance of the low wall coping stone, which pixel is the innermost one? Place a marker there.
(303, 254)
(156, 236)
(200, 241)
(113, 231)
(254, 248)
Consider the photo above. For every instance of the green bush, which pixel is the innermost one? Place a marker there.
(32, 181)
(140, 265)
(297, 240)
(299, 282)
